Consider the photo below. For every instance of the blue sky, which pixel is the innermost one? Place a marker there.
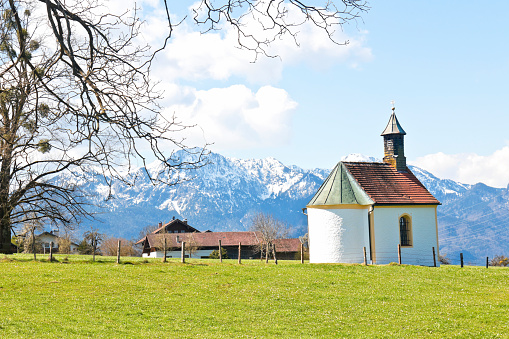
(444, 63)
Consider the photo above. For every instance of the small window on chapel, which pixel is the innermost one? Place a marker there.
(405, 231)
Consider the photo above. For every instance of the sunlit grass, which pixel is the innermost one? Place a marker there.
(75, 298)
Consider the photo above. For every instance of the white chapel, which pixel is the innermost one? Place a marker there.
(376, 206)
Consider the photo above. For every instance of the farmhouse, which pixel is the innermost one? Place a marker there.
(48, 238)
(374, 205)
(202, 244)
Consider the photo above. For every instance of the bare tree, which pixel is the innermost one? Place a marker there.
(270, 230)
(93, 237)
(191, 245)
(76, 93)
(65, 240)
(109, 247)
(29, 227)
(260, 23)
(64, 244)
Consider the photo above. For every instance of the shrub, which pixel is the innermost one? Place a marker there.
(499, 260)
(84, 247)
(109, 247)
(215, 254)
(444, 260)
(64, 245)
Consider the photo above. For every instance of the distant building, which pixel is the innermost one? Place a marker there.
(48, 238)
(376, 206)
(176, 232)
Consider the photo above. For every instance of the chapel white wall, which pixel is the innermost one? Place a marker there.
(337, 235)
(387, 238)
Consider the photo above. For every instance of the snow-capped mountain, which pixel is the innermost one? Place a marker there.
(220, 196)
(225, 194)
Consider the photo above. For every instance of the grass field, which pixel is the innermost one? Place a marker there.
(206, 299)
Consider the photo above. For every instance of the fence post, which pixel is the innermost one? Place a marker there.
(51, 251)
(240, 248)
(365, 258)
(487, 258)
(399, 254)
(434, 258)
(274, 248)
(461, 259)
(220, 252)
(165, 247)
(118, 252)
(301, 253)
(183, 254)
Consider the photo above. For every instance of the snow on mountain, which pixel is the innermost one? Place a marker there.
(440, 188)
(356, 157)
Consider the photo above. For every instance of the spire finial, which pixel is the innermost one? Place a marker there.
(392, 103)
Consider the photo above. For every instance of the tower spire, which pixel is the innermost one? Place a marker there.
(394, 147)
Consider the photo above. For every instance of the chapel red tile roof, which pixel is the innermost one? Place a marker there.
(386, 186)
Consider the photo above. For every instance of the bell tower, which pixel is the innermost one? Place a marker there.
(394, 147)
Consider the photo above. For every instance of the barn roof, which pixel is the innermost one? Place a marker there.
(211, 239)
(208, 239)
(375, 183)
(287, 245)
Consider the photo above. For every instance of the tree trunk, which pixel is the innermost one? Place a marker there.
(5, 179)
(5, 235)
(33, 243)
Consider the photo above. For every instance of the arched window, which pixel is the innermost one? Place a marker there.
(405, 231)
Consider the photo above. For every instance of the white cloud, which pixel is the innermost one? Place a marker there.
(234, 117)
(192, 56)
(470, 168)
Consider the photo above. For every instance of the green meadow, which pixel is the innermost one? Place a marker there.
(76, 298)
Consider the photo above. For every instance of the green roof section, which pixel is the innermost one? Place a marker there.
(340, 188)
